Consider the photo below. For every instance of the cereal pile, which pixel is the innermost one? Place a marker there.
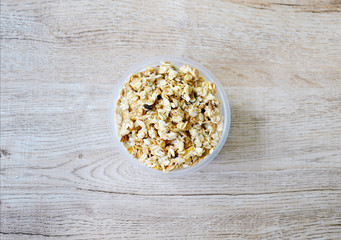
(168, 118)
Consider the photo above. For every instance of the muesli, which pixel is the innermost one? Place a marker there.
(167, 117)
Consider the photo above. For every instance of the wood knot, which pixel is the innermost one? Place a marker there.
(4, 153)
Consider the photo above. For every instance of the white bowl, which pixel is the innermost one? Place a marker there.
(208, 76)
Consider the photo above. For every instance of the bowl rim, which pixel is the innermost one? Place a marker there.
(208, 77)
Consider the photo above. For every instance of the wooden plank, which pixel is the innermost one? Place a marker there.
(278, 175)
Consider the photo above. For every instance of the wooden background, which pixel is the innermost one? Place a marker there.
(279, 173)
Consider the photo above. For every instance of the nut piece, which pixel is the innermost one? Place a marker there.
(167, 117)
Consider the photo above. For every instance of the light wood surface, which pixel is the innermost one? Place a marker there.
(279, 173)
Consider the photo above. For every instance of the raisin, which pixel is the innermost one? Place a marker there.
(148, 107)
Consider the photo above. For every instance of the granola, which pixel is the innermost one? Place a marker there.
(167, 117)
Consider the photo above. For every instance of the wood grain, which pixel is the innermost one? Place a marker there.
(279, 173)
